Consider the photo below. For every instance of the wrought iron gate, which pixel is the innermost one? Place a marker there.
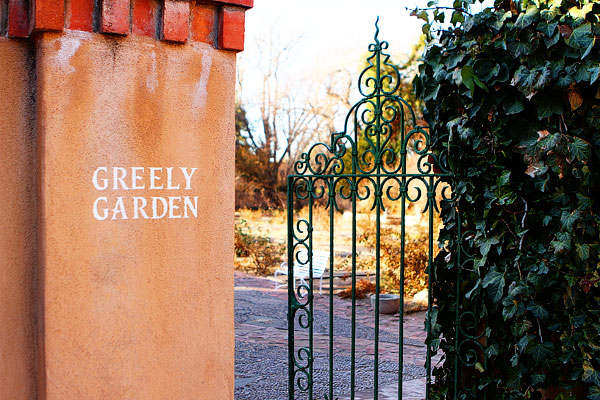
(367, 162)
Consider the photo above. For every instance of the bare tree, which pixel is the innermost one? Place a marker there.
(292, 114)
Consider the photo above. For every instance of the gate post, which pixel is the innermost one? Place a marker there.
(116, 198)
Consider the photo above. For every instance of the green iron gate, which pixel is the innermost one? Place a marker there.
(367, 162)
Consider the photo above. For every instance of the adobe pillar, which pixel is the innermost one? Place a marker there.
(116, 200)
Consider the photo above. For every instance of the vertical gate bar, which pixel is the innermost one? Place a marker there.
(331, 256)
(401, 311)
(290, 257)
(379, 200)
(457, 305)
(403, 194)
(311, 291)
(430, 199)
(377, 289)
(353, 192)
(353, 339)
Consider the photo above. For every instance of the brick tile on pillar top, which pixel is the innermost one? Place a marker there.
(144, 17)
(176, 15)
(80, 15)
(18, 18)
(231, 28)
(115, 17)
(48, 15)
(204, 24)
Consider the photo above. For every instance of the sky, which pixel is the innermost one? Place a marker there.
(330, 34)
(327, 35)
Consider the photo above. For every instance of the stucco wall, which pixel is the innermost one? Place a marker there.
(18, 284)
(137, 308)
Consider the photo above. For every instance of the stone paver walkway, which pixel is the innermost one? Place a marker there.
(261, 346)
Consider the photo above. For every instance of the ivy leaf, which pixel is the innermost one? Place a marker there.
(510, 308)
(580, 13)
(521, 327)
(548, 141)
(590, 375)
(487, 244)
(562, 243)
(547, 106)
(589, 48)
(472, 291)
(512, 106)
(453, 60)
(565, 31)
(518, 49)
(470, 79)
(431, 90)
(551, 41)
(494, 283)
(547, 29)
(575, 97)
(537, 378)
(503, 179)
(457, 17)
(537, 310)
(568, 219)
(548, 15)
(499, 22)
(542, 77)
(594, 393)
(486, 69)
(503, 73)
(584, 202)
(583, 73)
(580, 149)
(582, 37)
(527, 18)
(583, 251)
(595, 73)
(541, 351)
(547, 220)
(563, 81)
(425, 29)
(514, 360)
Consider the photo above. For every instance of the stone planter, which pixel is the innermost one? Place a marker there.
(388, 303)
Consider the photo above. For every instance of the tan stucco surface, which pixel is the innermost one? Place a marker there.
(136, 308)
(17, 224)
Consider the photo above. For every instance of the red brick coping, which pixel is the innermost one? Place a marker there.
(219, 23)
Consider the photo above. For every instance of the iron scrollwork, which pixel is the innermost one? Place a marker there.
(366, 161)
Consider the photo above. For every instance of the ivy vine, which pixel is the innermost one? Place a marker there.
(517, 89)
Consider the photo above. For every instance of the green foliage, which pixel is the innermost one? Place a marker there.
(516, 88)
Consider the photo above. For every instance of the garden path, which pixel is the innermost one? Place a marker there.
(261, 345)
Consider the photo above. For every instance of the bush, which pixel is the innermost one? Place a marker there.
(364, 287)
(512, 93)
(264, 255)
(416, 252)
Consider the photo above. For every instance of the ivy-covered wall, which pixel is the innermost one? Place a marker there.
(516, 88)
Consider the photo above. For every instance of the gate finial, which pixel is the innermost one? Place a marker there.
(377, 30)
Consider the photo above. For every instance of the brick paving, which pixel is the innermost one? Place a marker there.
(261, 346)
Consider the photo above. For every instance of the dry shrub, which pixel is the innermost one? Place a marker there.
(416, 250)
(261, 252)
(363, 288)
